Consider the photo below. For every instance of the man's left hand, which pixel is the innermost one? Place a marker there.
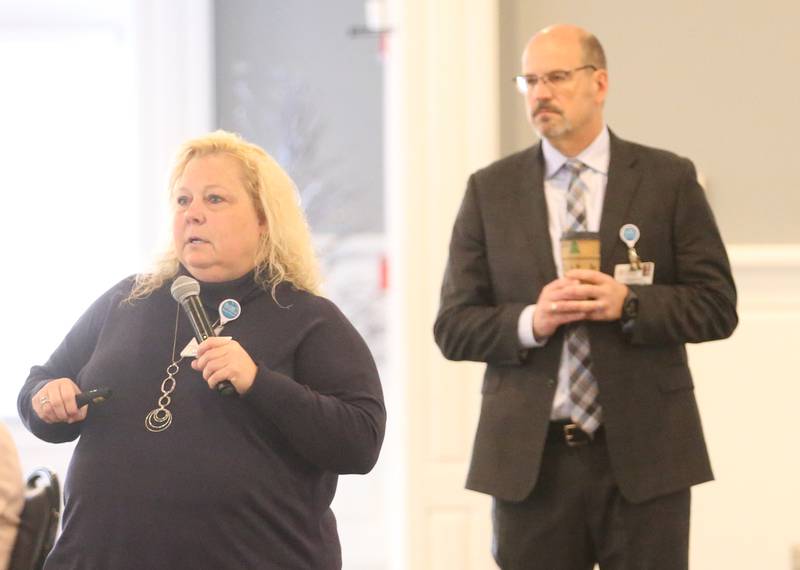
(603, 288)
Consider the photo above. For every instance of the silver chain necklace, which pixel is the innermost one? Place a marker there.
(160, 418)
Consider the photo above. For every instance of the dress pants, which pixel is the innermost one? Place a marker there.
(576, 517)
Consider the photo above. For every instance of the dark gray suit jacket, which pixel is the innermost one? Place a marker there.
(501, 257)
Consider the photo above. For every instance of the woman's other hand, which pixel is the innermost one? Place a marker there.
(55, 402)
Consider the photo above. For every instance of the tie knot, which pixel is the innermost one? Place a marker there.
(575, 166)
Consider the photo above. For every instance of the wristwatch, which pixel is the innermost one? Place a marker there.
(630, 310)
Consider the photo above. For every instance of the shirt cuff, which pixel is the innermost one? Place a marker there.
(525, 329)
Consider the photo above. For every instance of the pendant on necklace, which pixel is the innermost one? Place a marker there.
(160, 418)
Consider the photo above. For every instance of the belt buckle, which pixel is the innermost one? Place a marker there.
(575, 436)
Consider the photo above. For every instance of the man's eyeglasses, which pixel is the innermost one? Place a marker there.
(554, 79)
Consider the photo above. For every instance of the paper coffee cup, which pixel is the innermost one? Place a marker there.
(580, 250)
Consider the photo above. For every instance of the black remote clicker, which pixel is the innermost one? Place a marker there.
(93, 396)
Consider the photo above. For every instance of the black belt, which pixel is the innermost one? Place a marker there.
(568, 433)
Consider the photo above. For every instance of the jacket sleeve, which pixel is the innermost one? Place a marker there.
(332, 410)
(470, 325)
(700, 304)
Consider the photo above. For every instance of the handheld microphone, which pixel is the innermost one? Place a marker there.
(186, 291)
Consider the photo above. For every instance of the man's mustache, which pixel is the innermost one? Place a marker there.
(546, 107)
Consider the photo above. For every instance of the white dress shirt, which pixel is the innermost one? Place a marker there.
(596, 157)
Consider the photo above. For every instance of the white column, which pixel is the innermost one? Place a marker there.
(442, 124)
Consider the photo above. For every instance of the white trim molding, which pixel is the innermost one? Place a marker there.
(765, 255)
(767, 276)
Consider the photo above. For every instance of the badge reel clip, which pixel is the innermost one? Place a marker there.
(636, 271)
(630, 235)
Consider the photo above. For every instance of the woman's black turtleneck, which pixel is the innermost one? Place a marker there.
(241, 482)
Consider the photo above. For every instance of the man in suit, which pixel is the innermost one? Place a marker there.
(589, 437)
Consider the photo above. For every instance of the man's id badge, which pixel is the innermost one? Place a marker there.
(625, 273)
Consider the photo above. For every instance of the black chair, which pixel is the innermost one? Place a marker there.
(38, 521)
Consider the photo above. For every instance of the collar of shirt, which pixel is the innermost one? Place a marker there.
(596, 156)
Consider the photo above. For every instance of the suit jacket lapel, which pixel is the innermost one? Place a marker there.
(623, 181)
(531, 212)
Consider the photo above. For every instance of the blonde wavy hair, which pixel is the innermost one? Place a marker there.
(285, 252)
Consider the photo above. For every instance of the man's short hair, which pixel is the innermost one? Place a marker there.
(593, 51)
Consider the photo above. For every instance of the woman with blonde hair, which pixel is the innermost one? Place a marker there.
(168, 473)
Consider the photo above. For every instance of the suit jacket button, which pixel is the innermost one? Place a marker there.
(551, 382)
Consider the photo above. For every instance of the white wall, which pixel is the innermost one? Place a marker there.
(748, 388)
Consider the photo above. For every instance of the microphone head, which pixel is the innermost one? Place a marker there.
(183, 287)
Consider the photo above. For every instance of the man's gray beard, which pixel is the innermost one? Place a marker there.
(554, 133)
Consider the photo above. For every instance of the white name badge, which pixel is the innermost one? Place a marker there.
(190, 350)
(644, 276)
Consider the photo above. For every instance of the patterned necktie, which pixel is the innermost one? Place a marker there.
(586, 411)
